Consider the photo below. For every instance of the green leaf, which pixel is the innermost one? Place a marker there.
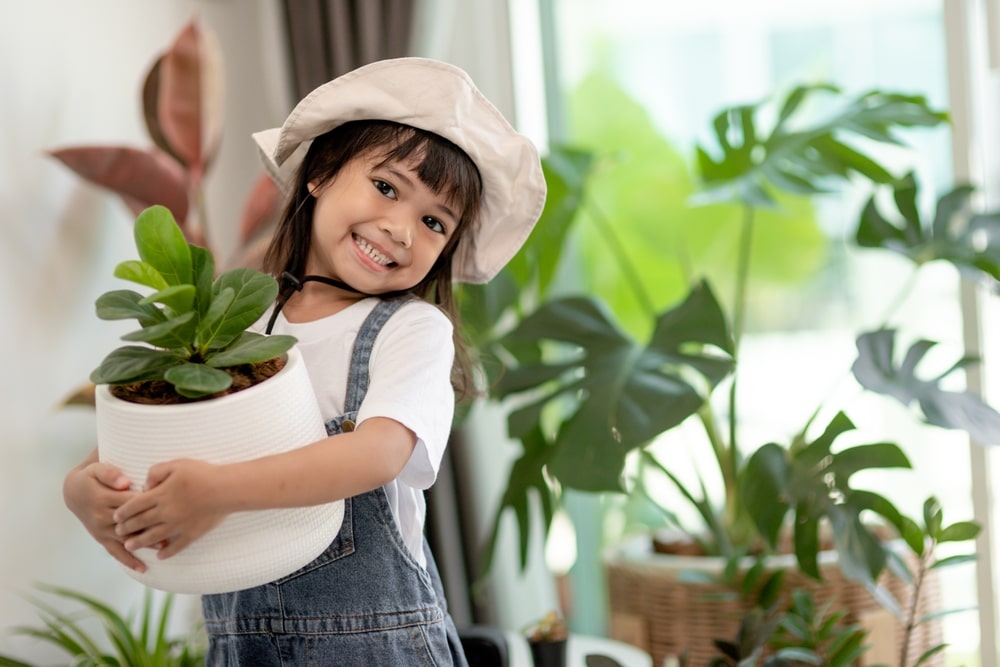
(930, 653)
(951, 561)
(174, 334)
(566, 171)
(959, 532)
(876, 370)
(861, 555)
(762, 490)
(526, 478)
(132, 363)
(968, 240)
(127, 304)
(620, 394)
(250, 348)
(254, 293)
(754, 159)
(162, 244)
(140, 272)
(867, 457)
(203, 271)
(197, 380)
(178, 298)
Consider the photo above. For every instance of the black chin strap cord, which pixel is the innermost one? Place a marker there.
(293, 285)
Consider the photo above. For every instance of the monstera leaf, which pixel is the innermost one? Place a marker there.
(613, 393)
(801, 158)
(968, 240)
(876, 370)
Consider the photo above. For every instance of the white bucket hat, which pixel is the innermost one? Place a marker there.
(439, 98)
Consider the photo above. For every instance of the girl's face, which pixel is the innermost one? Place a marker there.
(378, 228)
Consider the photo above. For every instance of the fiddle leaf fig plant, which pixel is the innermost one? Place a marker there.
(193, 325)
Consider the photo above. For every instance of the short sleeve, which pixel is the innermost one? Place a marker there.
(410, 382)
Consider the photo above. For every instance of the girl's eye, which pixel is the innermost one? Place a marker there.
(434, 224)
(385, 188)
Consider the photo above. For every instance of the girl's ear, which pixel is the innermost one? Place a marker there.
(314, 187)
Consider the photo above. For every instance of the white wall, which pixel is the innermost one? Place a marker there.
(70, 73)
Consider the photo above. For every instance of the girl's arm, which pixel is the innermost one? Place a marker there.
(186, 498)
(93, 491)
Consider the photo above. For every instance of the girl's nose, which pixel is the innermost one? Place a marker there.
(399, 230)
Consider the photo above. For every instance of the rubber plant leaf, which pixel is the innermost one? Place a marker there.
(614, 393)
(750, 160)
(876, 370)
(968, 240)
(140, 177)
(188, 101)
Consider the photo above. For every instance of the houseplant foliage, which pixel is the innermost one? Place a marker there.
(193, 324)
(586, 399)
(123, 640)
(182, 102)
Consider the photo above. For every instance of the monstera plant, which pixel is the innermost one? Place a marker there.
(586, 399)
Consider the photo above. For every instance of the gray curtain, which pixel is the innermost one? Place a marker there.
(327, 38)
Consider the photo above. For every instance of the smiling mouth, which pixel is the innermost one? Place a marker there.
(373, 253)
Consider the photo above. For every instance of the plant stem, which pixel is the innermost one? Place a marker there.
(911, 613)
(739, 315)
(901, 298)
(618, 252)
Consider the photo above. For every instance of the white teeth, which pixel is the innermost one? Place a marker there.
(370, 250)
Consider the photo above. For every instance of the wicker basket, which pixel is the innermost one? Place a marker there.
(651, 609)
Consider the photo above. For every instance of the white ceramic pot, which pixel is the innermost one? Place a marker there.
(248, 548)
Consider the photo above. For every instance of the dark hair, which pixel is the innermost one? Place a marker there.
(439, 164)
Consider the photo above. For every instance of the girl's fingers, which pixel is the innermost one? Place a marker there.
(123, 556)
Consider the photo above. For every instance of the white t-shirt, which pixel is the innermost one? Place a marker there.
(410, 382)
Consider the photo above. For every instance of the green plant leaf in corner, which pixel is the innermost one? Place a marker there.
(197, 380)
(876, 370)
(253, 293)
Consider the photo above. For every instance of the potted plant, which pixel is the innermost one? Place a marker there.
(586, 399)
(547, 639)
(201, 385)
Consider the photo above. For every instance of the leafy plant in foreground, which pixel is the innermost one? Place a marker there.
(193, 324)
(135, 641)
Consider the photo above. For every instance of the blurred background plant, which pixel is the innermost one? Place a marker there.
(98, 635)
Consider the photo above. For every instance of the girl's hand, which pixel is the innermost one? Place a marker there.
(180, 505)
(93, 491)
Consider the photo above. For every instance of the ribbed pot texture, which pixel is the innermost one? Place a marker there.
(248, 548)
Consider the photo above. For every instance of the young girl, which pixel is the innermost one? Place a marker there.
(402, 177)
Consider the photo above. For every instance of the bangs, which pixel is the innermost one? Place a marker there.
(441, 166)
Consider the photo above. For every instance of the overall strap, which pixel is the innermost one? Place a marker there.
(357, 377)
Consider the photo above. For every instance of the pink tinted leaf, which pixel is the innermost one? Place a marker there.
(150, 107)
(260, 211)
(141, 178)
(189, 102)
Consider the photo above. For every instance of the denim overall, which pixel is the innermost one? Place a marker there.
(363, 602)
